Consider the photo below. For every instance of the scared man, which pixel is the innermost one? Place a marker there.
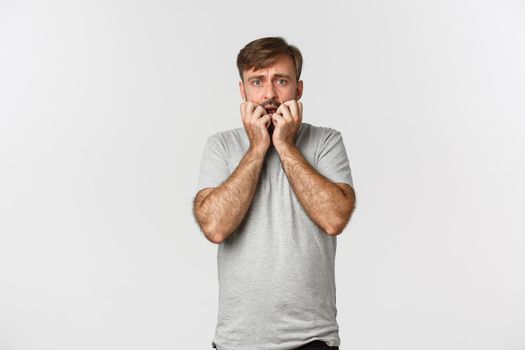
(274, 194)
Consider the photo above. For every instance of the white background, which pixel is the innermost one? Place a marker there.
(104, 111)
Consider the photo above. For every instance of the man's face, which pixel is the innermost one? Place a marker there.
(272, 85)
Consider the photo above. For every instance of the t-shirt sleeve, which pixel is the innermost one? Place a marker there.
(332, 160)
(214, 169)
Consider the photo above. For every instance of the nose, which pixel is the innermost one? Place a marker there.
(270, 92)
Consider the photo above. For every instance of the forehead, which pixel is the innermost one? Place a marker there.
(282, 65)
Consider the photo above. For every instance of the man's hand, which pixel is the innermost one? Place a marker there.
(256, 122)
(287, 121)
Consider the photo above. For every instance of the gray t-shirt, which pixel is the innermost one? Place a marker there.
(276, 271)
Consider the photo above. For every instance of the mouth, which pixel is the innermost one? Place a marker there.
(270, 110)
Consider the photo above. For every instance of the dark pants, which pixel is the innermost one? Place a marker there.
(317, 345)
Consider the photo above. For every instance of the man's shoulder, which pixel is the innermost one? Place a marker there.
(318, 128)
(235, 133)
(227, 134)
(317, 132)
(230, 139)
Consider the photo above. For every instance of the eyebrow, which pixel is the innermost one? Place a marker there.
(276, 75)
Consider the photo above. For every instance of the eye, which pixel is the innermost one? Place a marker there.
(256, 82)
(281, 81)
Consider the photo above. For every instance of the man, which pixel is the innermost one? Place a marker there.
(274, 194)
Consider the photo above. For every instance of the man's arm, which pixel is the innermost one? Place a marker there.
(220, 210)
(328, 204)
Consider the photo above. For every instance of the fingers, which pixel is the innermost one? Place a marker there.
(248, 107)
(289, 111)
(285, 112)
(258, 112)
(257, 116)
(264, 120)
(251, 111)
(296, 109)
(277, 118)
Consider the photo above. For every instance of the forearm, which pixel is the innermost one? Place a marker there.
(324, 202)
(223, 209)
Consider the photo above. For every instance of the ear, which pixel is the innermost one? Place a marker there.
(241, 89)
(299, 90)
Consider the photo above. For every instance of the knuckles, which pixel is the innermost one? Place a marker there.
(292, 108)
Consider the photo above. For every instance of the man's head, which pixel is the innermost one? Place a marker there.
(270, 70)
